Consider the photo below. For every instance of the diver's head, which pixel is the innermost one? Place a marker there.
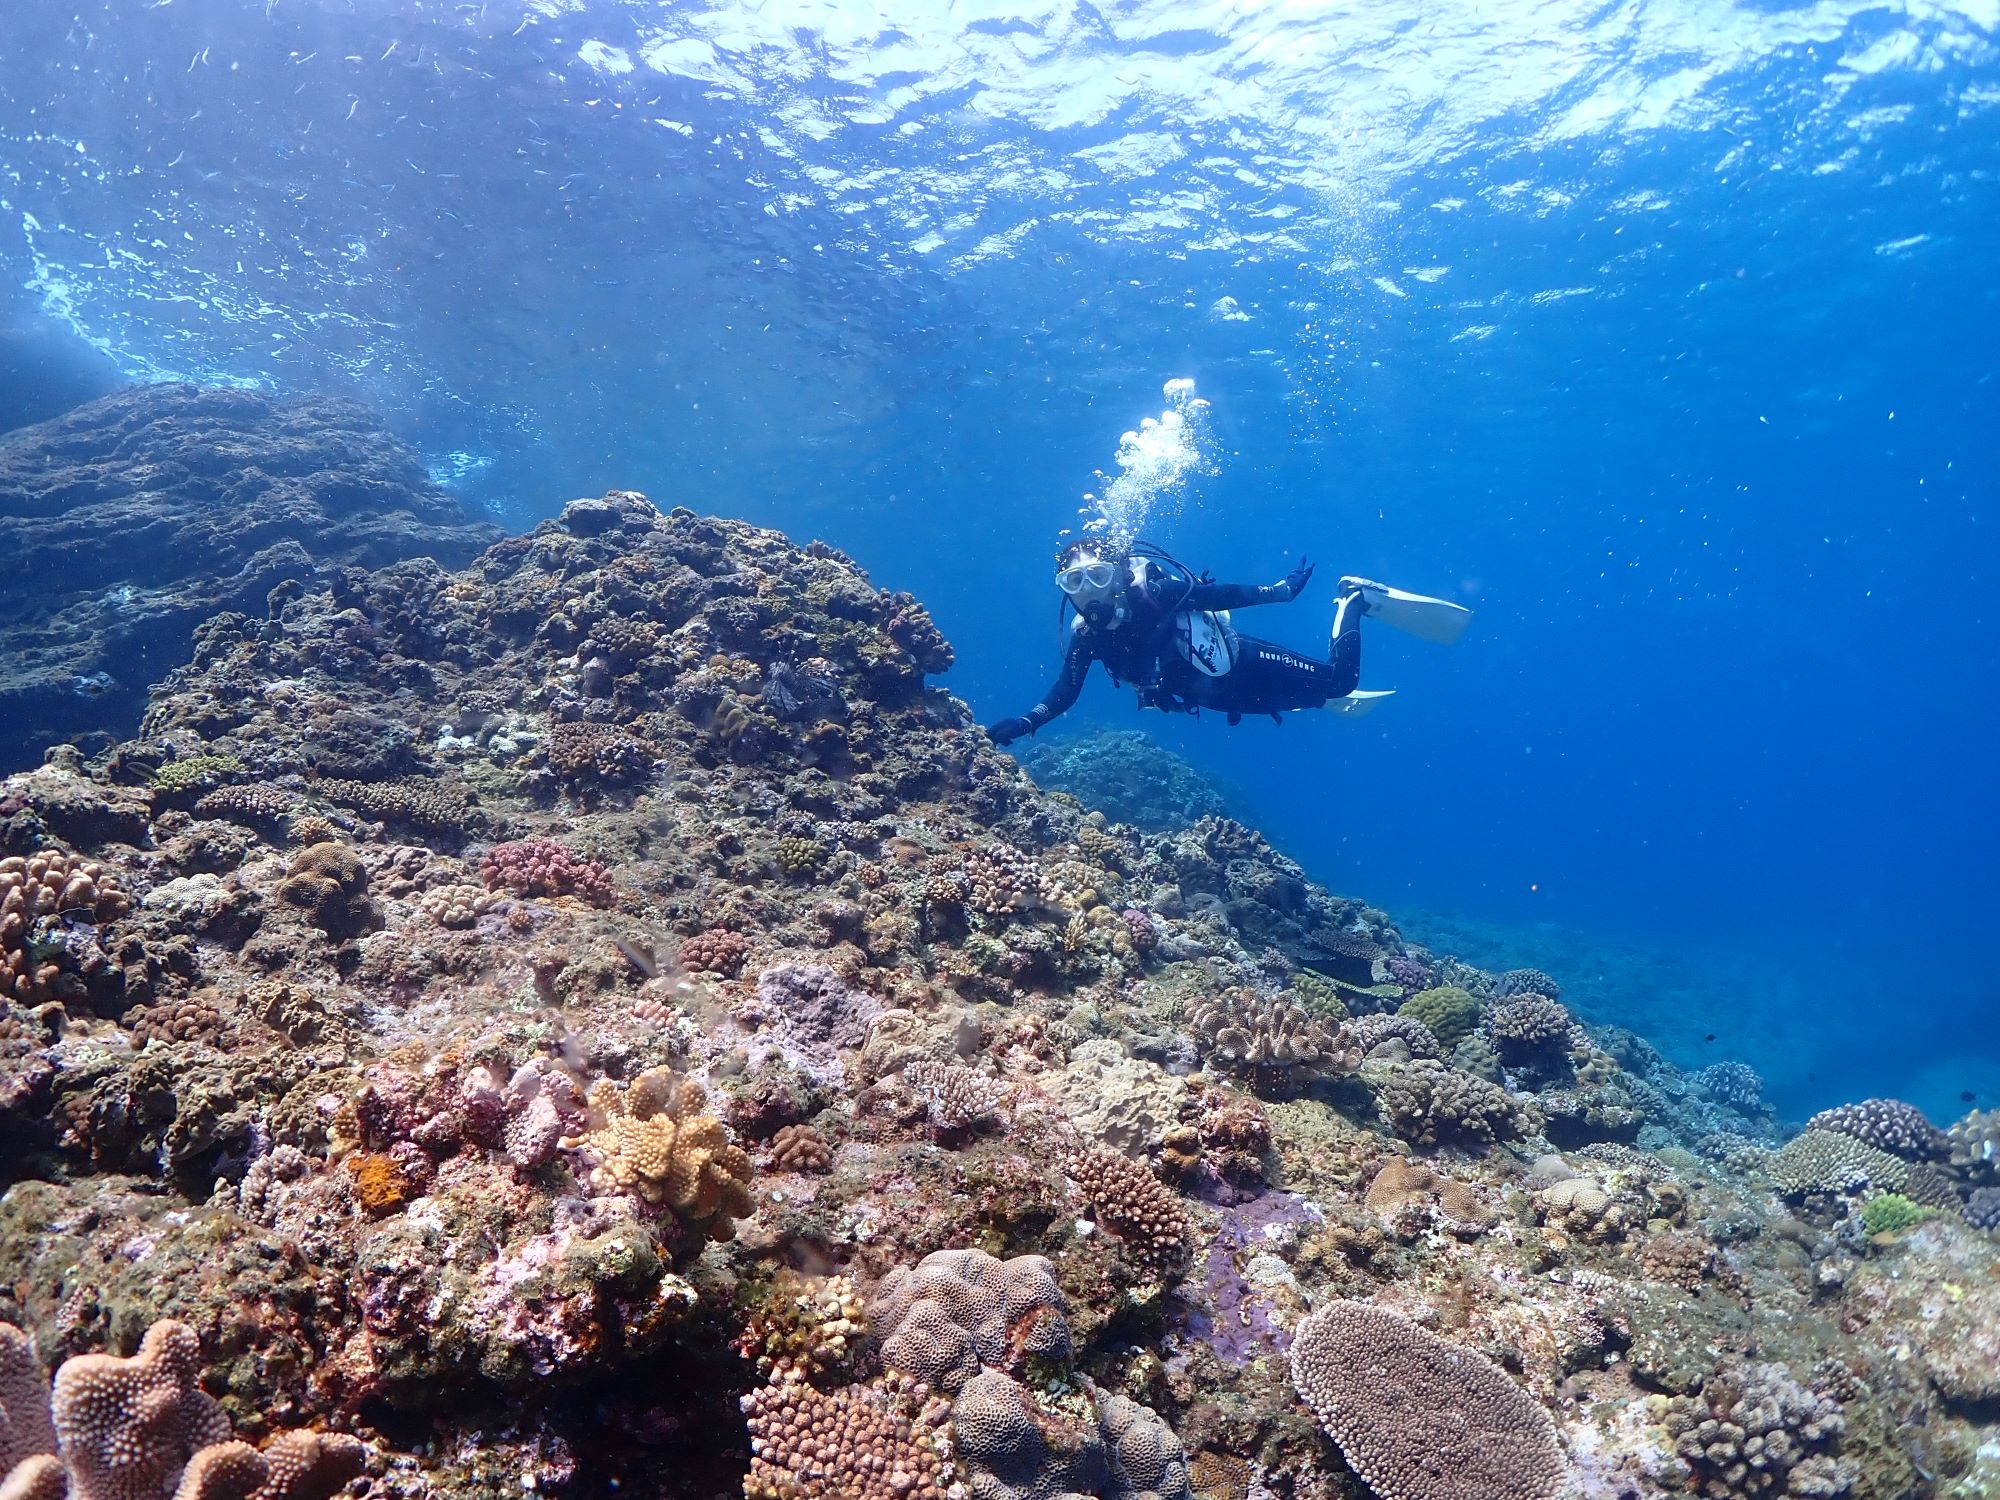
(1090, 574)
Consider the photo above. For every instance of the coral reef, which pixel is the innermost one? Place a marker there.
(602, 1021)
(1127, 777)
(145, 513)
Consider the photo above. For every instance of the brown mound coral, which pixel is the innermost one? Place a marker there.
(652, 1139)
(1402, 1185)
(1419, 1417)
(1146, 1215)
(142, 1429)
(958, 1310)
(36, 891)
(330, 884)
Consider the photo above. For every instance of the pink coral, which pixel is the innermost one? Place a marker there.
(543, 867)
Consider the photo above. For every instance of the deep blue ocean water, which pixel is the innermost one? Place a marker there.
(1666, 335)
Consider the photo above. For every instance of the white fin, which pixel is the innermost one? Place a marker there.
(1359, 702)
(1436, 620)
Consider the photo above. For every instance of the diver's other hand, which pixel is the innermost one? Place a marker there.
(1294, 583)
(1009, 730)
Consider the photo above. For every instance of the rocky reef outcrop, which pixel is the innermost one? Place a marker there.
(604, 1020)
(130, 520)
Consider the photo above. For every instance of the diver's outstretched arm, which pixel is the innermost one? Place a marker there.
(1243, 595)
(1057, 700)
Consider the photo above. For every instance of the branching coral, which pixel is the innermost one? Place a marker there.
(1419, 1417)
(881, 1440)
(430, 805)
(653, 1139)
(799, 1148)
(1266, 1037)
(1527, 1025)
(954, 1097)
(1427, 1102)
(1754, 1431)
(1145, 1214)
(1416, 1039)
(1526, 982)
(584, 755)
(716, 951)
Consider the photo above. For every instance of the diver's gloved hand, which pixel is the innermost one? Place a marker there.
(1294, 583)
(1009, 730)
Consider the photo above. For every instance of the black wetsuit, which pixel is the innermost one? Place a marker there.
(1139, 650)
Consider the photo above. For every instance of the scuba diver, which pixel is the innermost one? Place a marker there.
(1166, 632)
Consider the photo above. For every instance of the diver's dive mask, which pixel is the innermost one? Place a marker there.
(1091, 584)
(1085, 578)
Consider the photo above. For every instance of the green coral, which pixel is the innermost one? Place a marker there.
(1892, 1213)
(799, 856)
(1450, 1011)
(1319, 995)
(196, 773)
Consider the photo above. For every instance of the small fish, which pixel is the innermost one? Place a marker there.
(639, 956)
(1966, 1096)
(1709, 1038)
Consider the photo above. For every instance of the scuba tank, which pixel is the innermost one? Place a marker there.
(1202, 638)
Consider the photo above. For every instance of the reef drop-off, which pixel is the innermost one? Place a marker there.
(603, 1020)
(131, 519)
